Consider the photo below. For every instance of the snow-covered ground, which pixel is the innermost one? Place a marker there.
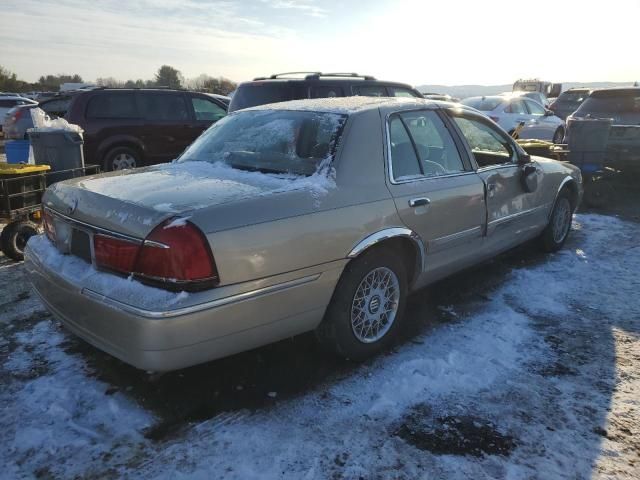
(528, 367)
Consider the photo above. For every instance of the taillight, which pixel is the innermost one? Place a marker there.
(17, 115)
(49, 229)
(115, 254)
(177, 254)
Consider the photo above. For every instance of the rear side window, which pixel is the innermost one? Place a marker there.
(207, 110)
(516, 106)
(370, 90)
(483, 104)
(112, 105)
(401, 92)
(8, 103)
(163, 107)
(326, 92)
(422, 135)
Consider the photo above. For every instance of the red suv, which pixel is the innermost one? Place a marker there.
(127, 128)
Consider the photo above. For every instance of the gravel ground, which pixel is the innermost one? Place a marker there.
(527, 367)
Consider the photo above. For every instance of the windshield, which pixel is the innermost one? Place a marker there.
(272, 141)
(573, 97)
(482, 103)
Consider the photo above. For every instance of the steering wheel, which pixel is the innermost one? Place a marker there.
(439, 168)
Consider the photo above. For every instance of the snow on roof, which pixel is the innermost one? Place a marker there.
(341, 105)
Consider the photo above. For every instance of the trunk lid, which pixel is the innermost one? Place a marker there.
(133, 202)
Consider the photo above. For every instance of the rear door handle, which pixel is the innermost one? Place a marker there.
(419, 202)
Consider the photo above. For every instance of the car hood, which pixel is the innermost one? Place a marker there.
(134, 201)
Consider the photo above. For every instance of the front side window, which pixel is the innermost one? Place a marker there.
(370, 90)
(489, 146)
(535, 108)
(207, 110)
(112, 105)
(273, 141)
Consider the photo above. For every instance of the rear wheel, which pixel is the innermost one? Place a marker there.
(14, 238)
(367, 306)
(121, 158)
(557, 230)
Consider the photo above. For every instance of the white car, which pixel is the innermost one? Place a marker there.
(510, 111)
(7, 102)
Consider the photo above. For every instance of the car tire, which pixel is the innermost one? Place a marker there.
(559, 226)
(359, 322)
(14, 238)
(120, 158)
(558, 136)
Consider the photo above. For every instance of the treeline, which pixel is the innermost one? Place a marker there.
(166, 76)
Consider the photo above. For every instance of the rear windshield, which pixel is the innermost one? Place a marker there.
(573, 97)
(260, 93)
(272, 141)
(483, 104)
(623, 103)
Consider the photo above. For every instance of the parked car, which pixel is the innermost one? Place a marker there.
(282, 87)
(18, 120)
(127, 128)
(510, 111)
(440, 96)
(9, 102)
(539, 97)
(621, 104)
(569, 101)
(307, 215)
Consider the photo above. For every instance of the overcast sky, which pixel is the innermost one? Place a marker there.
(418, 42)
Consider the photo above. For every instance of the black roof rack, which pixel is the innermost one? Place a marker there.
(315, 75)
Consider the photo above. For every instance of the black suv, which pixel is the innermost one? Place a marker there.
(282, 87)
(127, 128)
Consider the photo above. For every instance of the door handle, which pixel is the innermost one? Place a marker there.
(419, 202)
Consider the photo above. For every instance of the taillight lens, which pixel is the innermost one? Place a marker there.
(49, 229)
(173, 256)
(114, 253)
(176, 254)
(17, 115)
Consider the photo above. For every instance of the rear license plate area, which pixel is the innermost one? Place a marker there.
(81, 245)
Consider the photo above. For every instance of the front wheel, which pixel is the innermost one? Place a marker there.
(557, 230)
(558, 136)
(367, 306)
(14, 238)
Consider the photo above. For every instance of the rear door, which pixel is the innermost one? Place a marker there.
(542, 126)
(512, 212)
(436, 192)
(167, 129)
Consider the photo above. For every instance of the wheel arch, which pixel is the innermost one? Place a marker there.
(119, 141)
(571, 185)
(410, 243)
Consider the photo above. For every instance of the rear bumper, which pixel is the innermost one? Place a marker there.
(170, 340)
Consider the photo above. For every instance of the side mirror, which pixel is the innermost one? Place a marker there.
(548, 113)
(524, 158)
(529, 178)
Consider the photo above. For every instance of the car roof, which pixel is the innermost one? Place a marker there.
(356, 104)
(606, 92)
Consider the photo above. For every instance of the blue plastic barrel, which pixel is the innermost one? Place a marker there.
(17, 151)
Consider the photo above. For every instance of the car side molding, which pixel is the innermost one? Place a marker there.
(388, 233)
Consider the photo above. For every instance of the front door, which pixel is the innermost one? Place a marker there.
(436, 192)
(512, 212)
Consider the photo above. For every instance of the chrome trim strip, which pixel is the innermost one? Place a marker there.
(447, 241)
(93, 228)
(154, 314)
(388, 233)
(513, 216)
(566, 180)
